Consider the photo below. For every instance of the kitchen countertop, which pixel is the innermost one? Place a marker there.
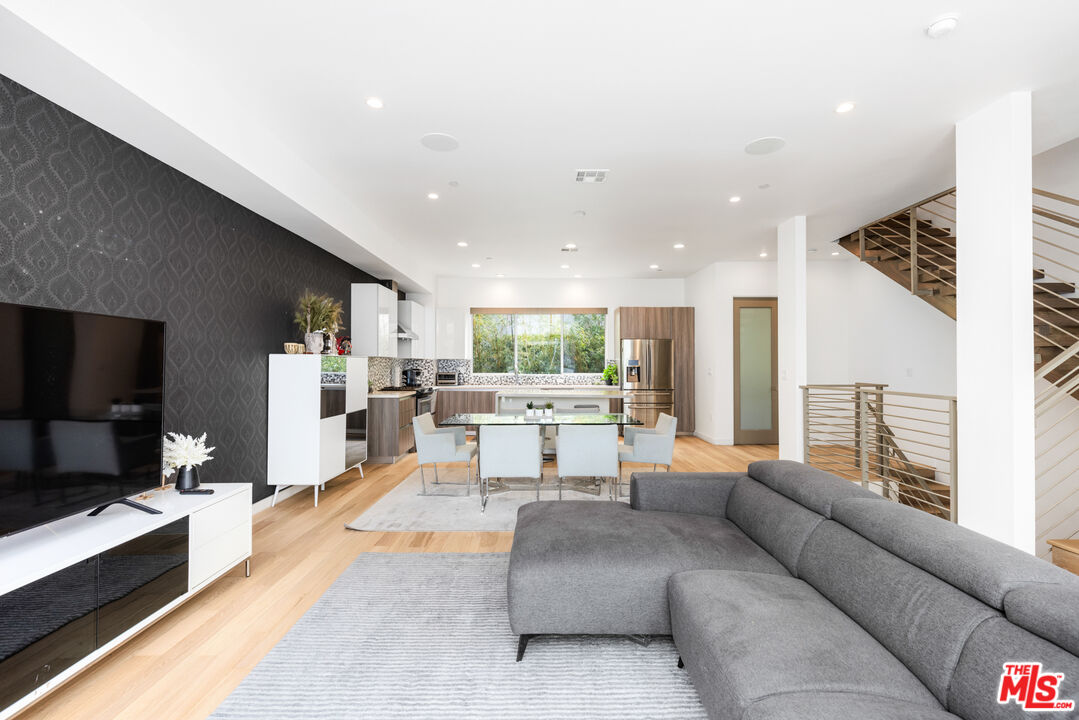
(583, 392)
(547, 388)
(391, 394)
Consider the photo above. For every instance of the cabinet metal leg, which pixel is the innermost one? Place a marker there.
(316, 496)
(277, 489)
(247, 567)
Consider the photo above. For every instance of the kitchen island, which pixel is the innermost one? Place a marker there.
(566, 400)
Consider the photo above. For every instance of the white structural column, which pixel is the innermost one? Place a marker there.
(994, 324)
(791, 280)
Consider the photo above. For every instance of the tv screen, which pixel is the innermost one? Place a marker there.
(80, 411)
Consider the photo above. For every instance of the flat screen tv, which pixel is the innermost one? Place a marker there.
(80, 411)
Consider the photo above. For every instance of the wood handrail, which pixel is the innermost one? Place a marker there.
(1056, 196)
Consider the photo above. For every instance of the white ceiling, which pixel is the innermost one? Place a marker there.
(665, 95)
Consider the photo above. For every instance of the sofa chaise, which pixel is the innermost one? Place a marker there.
(792, 593)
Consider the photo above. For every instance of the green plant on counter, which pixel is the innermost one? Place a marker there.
(610, 374)
(530, 405)
(549, 405)
(318, 312)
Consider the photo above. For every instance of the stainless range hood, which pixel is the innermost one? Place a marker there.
(404, 333)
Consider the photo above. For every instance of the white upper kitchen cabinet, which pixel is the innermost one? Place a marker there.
(452, 332)
(374, 320)
(410, 318)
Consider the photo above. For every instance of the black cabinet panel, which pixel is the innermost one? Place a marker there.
(355, 438)
(45, 628)
(332, 401)
(140, 577)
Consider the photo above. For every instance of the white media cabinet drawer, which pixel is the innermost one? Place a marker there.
(210, 522)
(213, 558)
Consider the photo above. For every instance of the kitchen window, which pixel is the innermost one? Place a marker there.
(540, 341)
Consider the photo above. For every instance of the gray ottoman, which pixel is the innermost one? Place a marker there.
(601, 568)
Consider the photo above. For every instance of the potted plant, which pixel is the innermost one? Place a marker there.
(530, 409)
(310, 316)
(184, 453)
(610, 374)
(548, 409)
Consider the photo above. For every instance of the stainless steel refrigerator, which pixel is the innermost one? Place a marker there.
(648, 379)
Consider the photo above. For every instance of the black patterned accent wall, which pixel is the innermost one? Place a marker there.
(88, 222)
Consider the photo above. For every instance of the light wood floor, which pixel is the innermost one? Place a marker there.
(182, 667)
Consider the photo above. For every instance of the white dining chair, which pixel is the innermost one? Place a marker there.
(647, 445)
(587, 451)
(509, 451)
(435, 445)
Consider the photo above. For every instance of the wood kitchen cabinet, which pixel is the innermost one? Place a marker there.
(666, 323)
(451, 402)
(391, 435)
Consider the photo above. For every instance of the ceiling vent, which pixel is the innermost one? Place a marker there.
(592, 176)
(567, 249)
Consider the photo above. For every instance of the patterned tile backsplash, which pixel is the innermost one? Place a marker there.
(384, 371)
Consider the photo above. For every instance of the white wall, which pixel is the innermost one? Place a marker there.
(861, 326)
(711, 291)
(456, 295)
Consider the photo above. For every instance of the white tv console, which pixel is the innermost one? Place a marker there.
(218, 528)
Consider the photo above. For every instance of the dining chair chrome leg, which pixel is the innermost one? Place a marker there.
(468, 483)
(653, 468)
(423, 481)
(436, 472)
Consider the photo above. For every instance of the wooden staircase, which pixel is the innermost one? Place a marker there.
(924, 232)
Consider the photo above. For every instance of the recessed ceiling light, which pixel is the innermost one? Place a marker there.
(454, 183)
(844, 107)
(764, 186)
(765, 145)
(432, 196)
(500, 275)
(579, 213)
(735, 198)
(374, 103)
(439, 142)
(812, 250)
(462, 244)
(564, 267)
(475, 265)
(653, 267)
(679, 246)
(835, 252)
(570, 246)
(764, 253)
(942, 26)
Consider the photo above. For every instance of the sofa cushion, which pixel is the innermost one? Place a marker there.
(746, 636)
(806, 485)
(921, 619)
(974, 563)
(1048, 611)
(698, 493)
(976, 683)
(778, 524)
(840, 706)
(583, 567)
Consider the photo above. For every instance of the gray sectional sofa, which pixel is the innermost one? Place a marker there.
(794, 594)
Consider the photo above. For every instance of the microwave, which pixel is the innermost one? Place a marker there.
(447, 378)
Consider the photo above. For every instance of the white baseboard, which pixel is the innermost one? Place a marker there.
(714, 440)
(288, 492)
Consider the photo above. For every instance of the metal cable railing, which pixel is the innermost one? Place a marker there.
(901, 445)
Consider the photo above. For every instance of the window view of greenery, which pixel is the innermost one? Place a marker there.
(540, 344)
(492, 343)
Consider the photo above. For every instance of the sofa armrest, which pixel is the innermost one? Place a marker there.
(703, 493)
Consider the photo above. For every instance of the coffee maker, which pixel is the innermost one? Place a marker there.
(411, 377)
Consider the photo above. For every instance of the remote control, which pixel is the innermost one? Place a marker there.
(197, 491)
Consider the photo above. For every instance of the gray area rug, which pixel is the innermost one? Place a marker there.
(426, 636)
(404, 509)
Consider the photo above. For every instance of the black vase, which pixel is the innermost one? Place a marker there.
(608, 381)
(187, 477)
